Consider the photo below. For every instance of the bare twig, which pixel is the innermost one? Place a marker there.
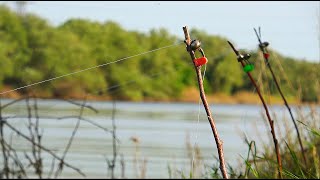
(83, 119)
(60, 168)
(16, 160)
(114, 143)
(84, 105)
(36, 162)
(9, 154)
(5, 170)
(43, 148)
(12, 102)
(38, 135)
(122, 166)
(112, 163)
(271, 123)
(52, 168)
(219, 143)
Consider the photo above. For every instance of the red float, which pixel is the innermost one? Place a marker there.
(200, 61)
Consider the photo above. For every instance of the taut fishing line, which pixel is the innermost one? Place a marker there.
(284, 74)
(94, 67)
(197, 126)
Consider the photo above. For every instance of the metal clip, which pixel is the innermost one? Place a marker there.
(248, 65)
(243, 58)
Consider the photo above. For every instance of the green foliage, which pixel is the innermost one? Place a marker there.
(13, 44)
(32, 50)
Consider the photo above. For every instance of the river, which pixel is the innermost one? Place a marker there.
(160, 128)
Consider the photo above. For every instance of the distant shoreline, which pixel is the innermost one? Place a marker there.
(190, 96)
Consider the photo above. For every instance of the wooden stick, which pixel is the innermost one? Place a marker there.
(267, 113)
(275, 141)
(266, 59)
(206, 106)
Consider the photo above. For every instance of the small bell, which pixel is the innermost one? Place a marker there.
(245, 58)
(264, 44)
(195, 44)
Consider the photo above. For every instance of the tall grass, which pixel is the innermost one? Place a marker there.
(260, 161)
(261, 164)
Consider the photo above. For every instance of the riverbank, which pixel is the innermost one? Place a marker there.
(190, 95)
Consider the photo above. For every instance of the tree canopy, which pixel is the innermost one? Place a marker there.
(32, 50)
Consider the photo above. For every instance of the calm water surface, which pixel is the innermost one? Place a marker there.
(162, 130)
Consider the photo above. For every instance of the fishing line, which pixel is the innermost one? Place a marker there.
(115, 88)
(197, 126)
(264, 85)
(245, 115)
(276, 58)
(94, 67)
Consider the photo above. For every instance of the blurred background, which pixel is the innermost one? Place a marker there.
(161, 125)
(49, 39)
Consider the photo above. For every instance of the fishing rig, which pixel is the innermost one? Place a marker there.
(196, 45)
(191, 47)
(244, 59)
(263, 47)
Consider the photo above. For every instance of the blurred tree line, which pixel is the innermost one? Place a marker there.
(32, 50)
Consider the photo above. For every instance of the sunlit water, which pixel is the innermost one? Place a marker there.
(162, 130)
